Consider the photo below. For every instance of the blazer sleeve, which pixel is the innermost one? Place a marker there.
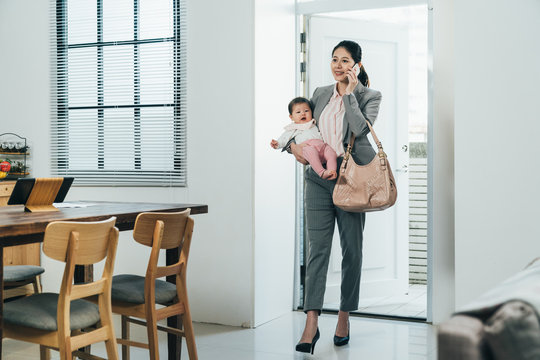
(357, 116)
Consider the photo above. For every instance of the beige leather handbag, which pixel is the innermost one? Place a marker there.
(363, 188)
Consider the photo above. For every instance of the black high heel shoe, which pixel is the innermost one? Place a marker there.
(308, 347)
(339, 340)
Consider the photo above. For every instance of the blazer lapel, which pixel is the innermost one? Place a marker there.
(358, 94)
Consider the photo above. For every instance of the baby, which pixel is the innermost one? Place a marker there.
(304, 131)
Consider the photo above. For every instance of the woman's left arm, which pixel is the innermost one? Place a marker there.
(357, 117)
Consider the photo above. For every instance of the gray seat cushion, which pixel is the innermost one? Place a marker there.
(21, 272)
(130, 288)
(39, 312)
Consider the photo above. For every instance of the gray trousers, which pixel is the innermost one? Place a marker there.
(321, 214)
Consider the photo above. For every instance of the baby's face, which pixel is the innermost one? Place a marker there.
(301, 113)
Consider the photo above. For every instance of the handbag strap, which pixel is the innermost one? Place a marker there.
(382, 155)
(351, 142)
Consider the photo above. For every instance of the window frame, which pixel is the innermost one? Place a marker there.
(61, 160)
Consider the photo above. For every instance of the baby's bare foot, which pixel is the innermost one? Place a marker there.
(331, 174)
(325, 175)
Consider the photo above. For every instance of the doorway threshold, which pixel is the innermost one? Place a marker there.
(410, 306)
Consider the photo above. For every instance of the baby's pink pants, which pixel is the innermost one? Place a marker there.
(317, 152)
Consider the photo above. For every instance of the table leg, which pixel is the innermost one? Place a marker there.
(174, 343)
(83, 274)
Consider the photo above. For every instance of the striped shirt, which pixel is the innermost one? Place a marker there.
(331, 123)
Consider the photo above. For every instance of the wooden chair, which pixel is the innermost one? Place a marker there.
(136, 296)
(61, 321)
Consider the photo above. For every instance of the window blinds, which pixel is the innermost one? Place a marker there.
(119, 91)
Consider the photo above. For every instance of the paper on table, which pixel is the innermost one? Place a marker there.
(72, 205)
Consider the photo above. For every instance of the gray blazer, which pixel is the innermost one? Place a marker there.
(364, 105)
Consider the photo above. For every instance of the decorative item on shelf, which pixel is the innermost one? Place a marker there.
(13, 156)
(5, 166)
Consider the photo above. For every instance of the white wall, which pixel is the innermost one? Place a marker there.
(221, 104)
(24, 91)
(275, 65)
(441, 160)
(220, 160)
(497, 125)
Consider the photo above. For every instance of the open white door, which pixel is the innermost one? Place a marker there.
(385, 54)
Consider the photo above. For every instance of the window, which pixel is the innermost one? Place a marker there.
(119, 91)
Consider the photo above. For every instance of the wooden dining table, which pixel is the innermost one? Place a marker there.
(18, 227)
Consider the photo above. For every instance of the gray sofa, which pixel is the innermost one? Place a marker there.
(502, 324)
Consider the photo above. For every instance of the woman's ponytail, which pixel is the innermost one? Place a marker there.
(363, 76)
(356, 52)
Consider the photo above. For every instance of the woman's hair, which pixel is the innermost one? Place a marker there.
(299, 100)
(356, 52)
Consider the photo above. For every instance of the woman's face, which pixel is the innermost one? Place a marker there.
(341, 62)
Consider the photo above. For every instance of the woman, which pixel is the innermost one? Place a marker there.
(339, 109)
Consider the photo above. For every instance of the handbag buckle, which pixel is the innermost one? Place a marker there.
(382, 159)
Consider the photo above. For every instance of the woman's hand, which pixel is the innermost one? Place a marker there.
(297, 152)
(353, 81)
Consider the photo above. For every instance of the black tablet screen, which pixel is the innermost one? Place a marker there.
(21, 191)
(66, 184)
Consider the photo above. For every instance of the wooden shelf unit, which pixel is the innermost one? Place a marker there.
(29, 254)
(20, 157)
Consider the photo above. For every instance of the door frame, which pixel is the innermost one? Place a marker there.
(303, 11)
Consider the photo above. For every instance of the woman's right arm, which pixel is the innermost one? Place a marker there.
(296, 150)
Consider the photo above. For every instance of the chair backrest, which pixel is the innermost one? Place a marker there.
(83, 243)
(93, 240)
(173, 230)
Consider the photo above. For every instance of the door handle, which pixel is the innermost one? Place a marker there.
(403, 169)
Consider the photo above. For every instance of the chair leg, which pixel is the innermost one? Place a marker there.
(63, 349)
(186, 319)
(188, 331)
(151, 329)
(44, 353)
(125, 335)
(65, 354)
(107, 322)
(112, 351)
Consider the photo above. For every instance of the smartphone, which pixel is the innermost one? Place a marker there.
(356, 69)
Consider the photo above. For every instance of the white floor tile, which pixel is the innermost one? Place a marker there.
(276, 340)
(412, 304)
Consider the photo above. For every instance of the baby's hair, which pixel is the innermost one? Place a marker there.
(299, 100)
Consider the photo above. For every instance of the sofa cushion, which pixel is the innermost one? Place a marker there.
(462, 337)
(513, 332)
